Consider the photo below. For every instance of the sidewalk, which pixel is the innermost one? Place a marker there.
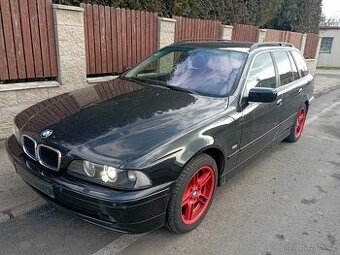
(326, 81)
(16, 198)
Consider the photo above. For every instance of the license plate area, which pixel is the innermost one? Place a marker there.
(35, 182)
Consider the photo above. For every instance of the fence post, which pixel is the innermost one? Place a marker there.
(303, 43)
(318, 49)
(227, 32)
(70, 43)
(261, 35)
(166, 31)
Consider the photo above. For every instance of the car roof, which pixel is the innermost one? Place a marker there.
(226, 44)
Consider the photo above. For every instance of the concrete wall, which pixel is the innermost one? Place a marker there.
(69, 29)
(166, 32)
(70, 42)
(261, 35)
(330, 59)
(227, 32)
(311, 63)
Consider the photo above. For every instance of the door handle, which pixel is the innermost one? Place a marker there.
(300, 90)
(279, 101)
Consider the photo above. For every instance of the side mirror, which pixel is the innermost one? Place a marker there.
(262, 95)
(126, 68)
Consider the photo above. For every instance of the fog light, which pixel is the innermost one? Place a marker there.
(111, 173)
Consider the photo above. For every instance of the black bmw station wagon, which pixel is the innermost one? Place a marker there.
(150, 148)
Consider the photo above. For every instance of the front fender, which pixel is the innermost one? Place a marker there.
(167, 160)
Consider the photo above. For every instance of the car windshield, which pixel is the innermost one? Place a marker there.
(211, 72)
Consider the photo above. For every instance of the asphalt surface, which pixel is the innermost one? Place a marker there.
(287, 201)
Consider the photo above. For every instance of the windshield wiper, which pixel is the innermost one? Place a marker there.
(131, 78)
(180, 89)
(153, 82)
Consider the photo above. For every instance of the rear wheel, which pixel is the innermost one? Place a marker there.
(297, 128)
(192, 194)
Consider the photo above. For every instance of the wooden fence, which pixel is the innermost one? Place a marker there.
(244, 33)
(27, 45)
(311, 46)
(117, 38)
(187, 28)
(294, 38)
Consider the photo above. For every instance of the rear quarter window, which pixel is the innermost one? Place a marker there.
(300, 63)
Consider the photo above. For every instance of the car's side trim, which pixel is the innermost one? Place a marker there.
(259, 138)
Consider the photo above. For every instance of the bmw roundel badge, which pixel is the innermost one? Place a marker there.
(46, 133)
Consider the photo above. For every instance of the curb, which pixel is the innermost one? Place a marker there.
(20, 210)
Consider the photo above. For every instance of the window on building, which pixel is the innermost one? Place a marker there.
(326, 44)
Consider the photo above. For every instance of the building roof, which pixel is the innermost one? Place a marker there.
(329, 27)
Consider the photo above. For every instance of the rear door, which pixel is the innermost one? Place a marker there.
(290, 88)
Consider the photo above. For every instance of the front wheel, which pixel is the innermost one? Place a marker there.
(192, 195)
(297, 128)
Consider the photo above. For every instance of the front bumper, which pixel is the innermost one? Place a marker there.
(122, 211)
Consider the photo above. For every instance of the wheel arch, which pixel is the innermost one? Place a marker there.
(307, 104)
(219, 158)
(218, 155)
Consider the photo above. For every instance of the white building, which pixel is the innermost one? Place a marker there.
(330, 47)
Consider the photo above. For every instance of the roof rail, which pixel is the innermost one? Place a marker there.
(203, 40)
(268, 44)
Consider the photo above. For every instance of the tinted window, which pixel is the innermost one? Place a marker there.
(284, 67)
(262, 72)
(212, 72)
(300, 63)
(294, 69)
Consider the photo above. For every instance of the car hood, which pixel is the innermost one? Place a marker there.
(113, 121)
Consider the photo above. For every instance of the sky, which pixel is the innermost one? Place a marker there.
(331, 8)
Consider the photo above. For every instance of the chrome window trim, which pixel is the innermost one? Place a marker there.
(34, 157)
(46, 165)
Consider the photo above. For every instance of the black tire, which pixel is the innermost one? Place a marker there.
(294, 136)
(174, 212)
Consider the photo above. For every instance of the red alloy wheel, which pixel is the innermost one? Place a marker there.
(197, 195)
(300, 122)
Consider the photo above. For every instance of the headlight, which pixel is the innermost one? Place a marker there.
(109, 176)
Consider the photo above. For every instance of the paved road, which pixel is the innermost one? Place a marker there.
(285, 202)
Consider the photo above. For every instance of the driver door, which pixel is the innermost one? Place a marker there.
(260, 120)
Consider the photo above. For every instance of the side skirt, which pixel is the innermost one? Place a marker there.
(225, 177)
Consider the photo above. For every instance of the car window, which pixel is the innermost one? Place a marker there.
(284, 67)
(211, 72)
(262, 72)
(294, 69)
(300, 63)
